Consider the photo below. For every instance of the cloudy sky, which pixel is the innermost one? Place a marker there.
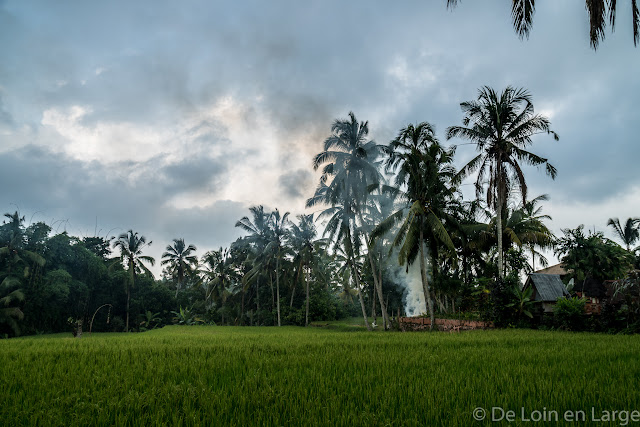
(172, 118)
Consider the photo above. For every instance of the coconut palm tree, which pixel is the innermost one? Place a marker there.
(218, 275)
(301, 239)
(275, 248)
(259, 235)
(131, 246)
(180, 261)
(522, 12)
(629, 234)
(349, 171)
(502, 126)
(426, 169)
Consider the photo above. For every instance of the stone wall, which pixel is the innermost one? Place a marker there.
(452, 325)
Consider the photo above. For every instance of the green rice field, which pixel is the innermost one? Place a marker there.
(331, 375)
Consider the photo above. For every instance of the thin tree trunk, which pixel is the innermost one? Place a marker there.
(258, 299)
(278, 285)
(376, 283)
(425, 282)
(373, 306)
(306, 321)
(354, 272)
(293, 291)
(499, 232)
(242, 308)
(126, 327)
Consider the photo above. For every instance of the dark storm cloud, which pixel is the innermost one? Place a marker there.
(95, 199)
(295, 184)
(297, 67)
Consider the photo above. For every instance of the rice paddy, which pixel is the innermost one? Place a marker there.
(200, 375)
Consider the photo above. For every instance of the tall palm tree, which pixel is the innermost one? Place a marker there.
(629, 234)
(348, 173)
(278, 225)
(502, 126)
(522, 12)
(131, 246)
(218, 275)
(259, 235)
(426, 170)
(301, 239)
(178, 257)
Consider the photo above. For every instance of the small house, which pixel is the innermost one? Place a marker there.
(547, 288)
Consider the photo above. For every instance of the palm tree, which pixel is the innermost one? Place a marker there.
(522, 12)
(348, 173)
(180, 261)
(425, 168)
(629, 234)
(502, 127)
(301, 239)
(219, 274)
(131, 245)
(533, 214)
(278, 225)
(259, 232)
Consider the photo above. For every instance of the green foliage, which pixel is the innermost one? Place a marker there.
(569, 313)
(592, 255)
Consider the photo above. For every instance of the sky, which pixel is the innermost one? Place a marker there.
(173, 118)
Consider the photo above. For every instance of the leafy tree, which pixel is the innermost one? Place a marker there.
(131, 246)
(502, 126)
(180, 261)
(591, 256)
(522, 12)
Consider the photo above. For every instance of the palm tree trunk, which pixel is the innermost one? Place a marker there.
(306, 279)
(377, 284)
(278, 286)
(293, 290)
(499, 232)
(126, 327)
(258, 299)
(373, 306)
(354, 273)
(425, 282)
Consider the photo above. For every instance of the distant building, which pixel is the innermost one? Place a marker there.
(547, 288)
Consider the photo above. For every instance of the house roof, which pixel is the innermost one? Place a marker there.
(553, 269)
(547, 287)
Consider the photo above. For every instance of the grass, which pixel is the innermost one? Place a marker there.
(202, 375)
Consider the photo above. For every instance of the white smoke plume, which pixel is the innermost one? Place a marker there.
(414, 303)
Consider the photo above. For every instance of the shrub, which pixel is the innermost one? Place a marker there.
(569, 313)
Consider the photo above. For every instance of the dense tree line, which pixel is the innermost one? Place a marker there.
(382, 212)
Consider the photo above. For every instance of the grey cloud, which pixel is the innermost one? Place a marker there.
(295, 184)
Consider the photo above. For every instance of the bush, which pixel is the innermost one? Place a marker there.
(569, 313)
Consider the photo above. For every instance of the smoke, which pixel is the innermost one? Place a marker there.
(413, 295)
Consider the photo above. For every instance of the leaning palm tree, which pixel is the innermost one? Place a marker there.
(348, 173)
(131, 245)
(502, 126)
(180, 261)
(629, 234)
(522, 12)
